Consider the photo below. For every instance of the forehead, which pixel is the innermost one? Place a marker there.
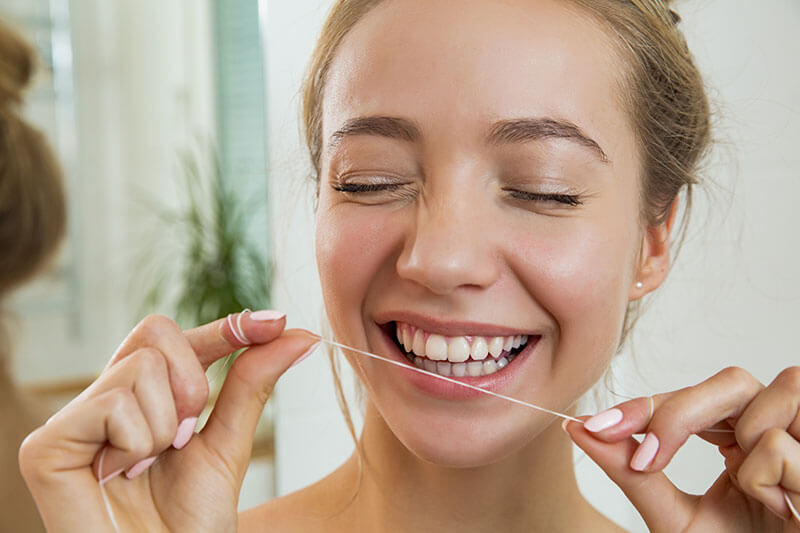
(455, 66)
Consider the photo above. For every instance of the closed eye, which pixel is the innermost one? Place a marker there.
(572, 200)
(365, 187)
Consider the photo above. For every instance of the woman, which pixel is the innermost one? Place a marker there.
(32, 224)
(506, 176)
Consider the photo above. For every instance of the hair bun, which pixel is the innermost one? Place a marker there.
(17, 62)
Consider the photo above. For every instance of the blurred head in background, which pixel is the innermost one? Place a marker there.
(32, 224)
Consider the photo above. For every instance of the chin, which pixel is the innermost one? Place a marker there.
(468, 441)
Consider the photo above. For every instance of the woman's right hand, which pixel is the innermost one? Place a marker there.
(154, 385)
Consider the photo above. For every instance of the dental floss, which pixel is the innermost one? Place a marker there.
(109, 510)
(473, 387)
(445, 378)
(792, 508)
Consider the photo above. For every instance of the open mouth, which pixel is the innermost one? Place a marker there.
(457, 356)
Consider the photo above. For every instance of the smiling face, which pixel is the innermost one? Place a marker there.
(478, 179)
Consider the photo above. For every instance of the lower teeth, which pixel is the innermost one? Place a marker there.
(470, 368)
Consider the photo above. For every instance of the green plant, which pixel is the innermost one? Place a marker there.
(201, 265)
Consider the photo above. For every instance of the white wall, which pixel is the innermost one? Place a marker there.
(730, 299)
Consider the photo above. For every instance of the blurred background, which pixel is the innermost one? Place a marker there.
(176, 123)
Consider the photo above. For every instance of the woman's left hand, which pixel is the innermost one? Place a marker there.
(762, 453)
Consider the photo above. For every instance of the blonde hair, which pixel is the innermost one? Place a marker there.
(665, 97)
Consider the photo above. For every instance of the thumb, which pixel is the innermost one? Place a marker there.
(662, 505)
(249, 383)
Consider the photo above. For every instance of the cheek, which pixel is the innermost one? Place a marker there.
(580, 276)
(353, 246)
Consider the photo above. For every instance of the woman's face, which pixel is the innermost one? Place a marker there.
(478, 181)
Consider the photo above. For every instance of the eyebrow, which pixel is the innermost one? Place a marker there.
(532, 129)
(511, 131)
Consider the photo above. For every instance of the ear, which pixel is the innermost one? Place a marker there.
(654, 259)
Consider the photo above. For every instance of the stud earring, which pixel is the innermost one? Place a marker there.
(639, 285)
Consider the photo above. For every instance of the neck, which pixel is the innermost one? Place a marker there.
(532, 489)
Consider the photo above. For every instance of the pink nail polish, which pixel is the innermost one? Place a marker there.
(309, 352)
(139, 467)
(645, 453)
(604, 420)
(184, 433)
(266, 315)
(111, 476)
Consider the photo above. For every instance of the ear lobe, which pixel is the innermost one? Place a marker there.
(654, 260)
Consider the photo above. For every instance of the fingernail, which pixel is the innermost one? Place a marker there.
(645, 453)
(309, 352)
(185, 432)
(139, 467)
(564, 425)
(111, 476)
(604, 420)
(266, 315)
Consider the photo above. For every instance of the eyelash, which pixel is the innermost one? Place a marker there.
(571, 200)
(365, 187)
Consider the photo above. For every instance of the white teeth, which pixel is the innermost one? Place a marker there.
(436, 348)
(418, 344)
(458, 350)
(496, 346)
(479, 348)
(456, 356)
(474, 368)
(508, 344)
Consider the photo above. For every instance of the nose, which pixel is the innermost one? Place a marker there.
(450, 246)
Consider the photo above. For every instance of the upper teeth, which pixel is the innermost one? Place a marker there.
(455, 349)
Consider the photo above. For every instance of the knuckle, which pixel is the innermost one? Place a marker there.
(121, 401)
(790, 378)
(747, 479)
(771, 441)
(736, 374)
(29, 452)
(150, 362)
(195, 394)
(152, 327)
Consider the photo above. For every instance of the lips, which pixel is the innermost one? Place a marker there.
(498, 379)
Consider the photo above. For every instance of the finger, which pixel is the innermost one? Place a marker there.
(249, 383)
(145, 373)
(221, 337)
(662, 505)
(777, 406)
(772, 469)
(186, 375)
(74, 436)
(679, 414)
(56, 459)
